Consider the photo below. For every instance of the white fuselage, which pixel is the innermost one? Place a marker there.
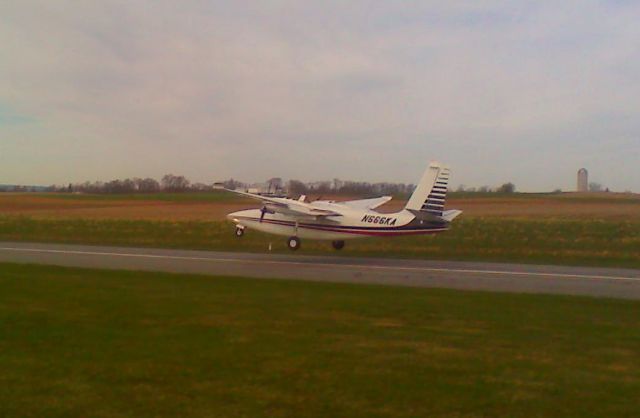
(351, 223)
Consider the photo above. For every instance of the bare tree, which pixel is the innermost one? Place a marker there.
(507, 188)
(172, 183)
(201, 187)
(232, 184)
(297, 187)
(275, 184)
(147, 185)
(119, 186)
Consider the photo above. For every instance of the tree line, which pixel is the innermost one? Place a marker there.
(180, 184)
(169, 183)
(296, 187)
(505, 188)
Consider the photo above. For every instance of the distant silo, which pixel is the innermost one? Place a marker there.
(583, 180)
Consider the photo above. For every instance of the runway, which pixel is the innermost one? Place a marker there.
(521, 278)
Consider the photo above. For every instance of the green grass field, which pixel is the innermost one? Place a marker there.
(579, 242)
(78, 343)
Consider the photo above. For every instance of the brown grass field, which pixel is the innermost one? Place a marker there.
(604, 206)
(41, 207)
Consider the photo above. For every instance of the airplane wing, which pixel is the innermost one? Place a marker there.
(367, 203)
(288, 206)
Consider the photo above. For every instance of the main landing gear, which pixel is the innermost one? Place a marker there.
(293, 243)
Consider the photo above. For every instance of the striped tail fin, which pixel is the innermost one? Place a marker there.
(429, 196)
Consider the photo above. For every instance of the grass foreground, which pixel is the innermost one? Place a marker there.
(77, 342)
(608, 243)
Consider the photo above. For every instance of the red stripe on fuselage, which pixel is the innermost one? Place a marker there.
(346, 230)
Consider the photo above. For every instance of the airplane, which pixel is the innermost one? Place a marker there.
(338, 221)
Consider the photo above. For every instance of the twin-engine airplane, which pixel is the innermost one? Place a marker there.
(337, 221)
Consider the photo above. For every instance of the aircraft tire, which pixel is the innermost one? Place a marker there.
(293, 243)
(239, 232)
(337, 245)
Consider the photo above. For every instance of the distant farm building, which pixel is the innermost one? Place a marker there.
(583, 180)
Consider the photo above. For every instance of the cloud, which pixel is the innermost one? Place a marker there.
(10, 117)
(321, 90)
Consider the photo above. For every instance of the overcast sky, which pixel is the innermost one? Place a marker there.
(526, 92)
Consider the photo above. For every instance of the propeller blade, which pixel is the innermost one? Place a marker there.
(262, 212)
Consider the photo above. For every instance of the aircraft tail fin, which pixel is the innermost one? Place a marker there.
(430, 194)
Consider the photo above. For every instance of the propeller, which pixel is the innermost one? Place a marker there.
(263, 210)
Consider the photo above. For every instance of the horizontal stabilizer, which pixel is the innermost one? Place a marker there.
(450, 215)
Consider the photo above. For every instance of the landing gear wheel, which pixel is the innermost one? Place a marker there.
(337, 245)
(239, 232)
(293, 243)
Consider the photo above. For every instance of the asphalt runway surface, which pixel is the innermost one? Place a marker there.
(521, 278)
